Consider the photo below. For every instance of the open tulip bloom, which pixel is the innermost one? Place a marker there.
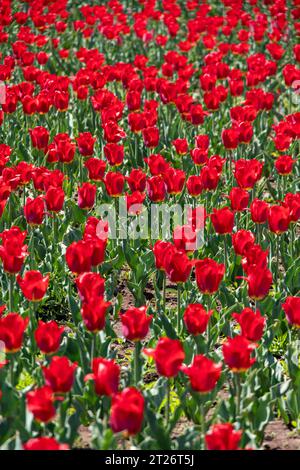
(149, 224)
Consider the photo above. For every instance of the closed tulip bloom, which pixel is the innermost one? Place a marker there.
(85, 143)
(40, 402)
(196, 319)
(79, 256)
(162, 250)
(255, 257)
(157, 164)
(94, 314)
(54, 199)
(291, 308)
(89, 286)
(135, 323)
(86, 195)
(222, 220)
(199, 157)
(39, 137)
(210, 178)
(151, 137)
(194, 185)
(168, 356)
(242, 240)
(202, 141)
(252, 323)
(178, 267)
(230, 138)
(259, 282)
(12, 329)
(284, 164)
(156, 189)
(137, 180)
(59, 375)
(96, 168)
(292, 201)
(278, 219)
(48, 336)
(33, 285)
(223, 437)
(209, 274)
(181, 146)
(114, 153)
(112, 132)
(259, 211)
(237, 354)
(239, 199)
(106, 375)
(203, 374)
(114, 183)
(174, 180)
(44, 443)
(127, 411)
(13, 263)
(247, 173)
(34, 210)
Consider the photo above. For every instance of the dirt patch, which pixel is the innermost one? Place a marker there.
(279, 437)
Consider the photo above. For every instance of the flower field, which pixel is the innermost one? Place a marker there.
(149, 224)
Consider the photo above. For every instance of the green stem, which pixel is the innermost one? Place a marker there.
(203, 423)
(168, 396)
(178, 308)
(11, 280)
(164, 292)
(136, 363)
(238, 394)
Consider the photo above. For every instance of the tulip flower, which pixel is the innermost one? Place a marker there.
(127, 411)
(85, 142)
(33, 285)
(90, 285)
(209, 274)
(203, 374)
(242, 241)
(237, 354)
(168, 356)
(86, 195)
(34, 210)
(40, 402)
(44, 443)
(222, 220)
(252, 323)
(48, 336)
(135, 323)
(105, 375)
(94, 314)
(223, 437)
(291, 308)
(196, 318)
(12, 329)
(59, 375)
(79, 256)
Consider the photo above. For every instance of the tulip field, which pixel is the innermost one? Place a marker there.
(149, 225)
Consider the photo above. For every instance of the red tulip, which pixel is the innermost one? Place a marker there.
(137, 180)
(127, 411)
(85, 142)
(291, 308)
(135, 323)
(222, 220)
(284, 164)
(39, 137)
(106, 374)
(292, 201)
(90, 285)
(114, 183)
(194, 185)
(178, 266)
(168, 356)
(79, 256)
(174, 180)
(40, 404)
(237, 353)
(242, 241)
(44, 443)
(34, 210)
(48, 336)
(185, 238)
(196, 318)
(12, 328)
(112, 132)
(93, 314)
(278, 219)
(181, 146)
(223, 437)
(161, 251)
(247, 172)
(230, 138)
(156, 189)
(239, 199)
(209, 274)
(33, 285)
(259, 282)
(114, 153)
(203, 374)
(96, 168)
(251, 323)
(86, 195)
(59, 375)
(151, 137)
(259, 211)
(54, 199)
